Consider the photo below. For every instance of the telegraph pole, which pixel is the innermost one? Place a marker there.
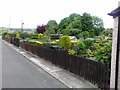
(9, 21)
(22, 26)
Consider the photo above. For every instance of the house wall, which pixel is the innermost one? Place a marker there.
(119, 57)
(115, 55)
(114, 50)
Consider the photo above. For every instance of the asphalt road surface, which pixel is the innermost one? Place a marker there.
(18, 72)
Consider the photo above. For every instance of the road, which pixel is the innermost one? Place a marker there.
(18, 72)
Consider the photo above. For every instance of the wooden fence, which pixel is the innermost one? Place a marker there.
(93, 71)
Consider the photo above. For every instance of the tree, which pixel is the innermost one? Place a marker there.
(71, 24)
(108, 32)
(52, 26)
(97, 25)
(75, 21)
(63, 24)
(41, 29)
(87, 23)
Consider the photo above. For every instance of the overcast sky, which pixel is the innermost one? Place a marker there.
(38, 12)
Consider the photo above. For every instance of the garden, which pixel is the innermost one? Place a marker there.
(79, 44)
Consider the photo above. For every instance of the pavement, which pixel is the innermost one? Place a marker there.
(67, 78)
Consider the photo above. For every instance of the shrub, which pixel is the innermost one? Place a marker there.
(12, 34)
(54, 43)
(17, 36)
(73, 43)
(4, 34)
(38, 43)
(25, 35)
(71, 52)
(46, 38)
(88, 43)
(32, 41)
(40, 36)
(81, 47)
(46, 44)
(65, 42)
(101, 51)
(41, 29)
(35, 36)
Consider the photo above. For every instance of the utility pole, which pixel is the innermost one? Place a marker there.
(9, 21)
(22, 26)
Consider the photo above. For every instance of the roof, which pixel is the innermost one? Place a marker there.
(115, 13)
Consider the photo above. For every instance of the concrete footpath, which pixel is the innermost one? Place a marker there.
(67, 78)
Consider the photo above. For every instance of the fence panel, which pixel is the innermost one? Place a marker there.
(93, 71)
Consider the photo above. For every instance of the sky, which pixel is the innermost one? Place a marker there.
(38, 12)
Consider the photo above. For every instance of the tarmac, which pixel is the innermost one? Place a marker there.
(67, 78)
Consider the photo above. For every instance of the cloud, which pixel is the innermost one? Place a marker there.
(34, 12)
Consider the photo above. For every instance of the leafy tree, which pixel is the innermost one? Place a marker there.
(63, 24)
(73, 32)
(71, 24)
(87, 23)
(41, 29)
(108, 32)
(98, 26)
(52, 26)
(84, 34)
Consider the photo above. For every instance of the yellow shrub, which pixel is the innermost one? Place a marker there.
(65, 42)
(17, 36)
(40, 36)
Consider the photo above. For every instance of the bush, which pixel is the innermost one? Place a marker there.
(88, 43)
(12, 34)
(81, 47)
(40, 36)
(73, 43)
(32, 41)
(4, 34)
(25, 35)
(101, 51)
(46, 38)
(17, 36)
(46, 44)
(65, 42)
(35, 36)
(71, 52)
(38, 43)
